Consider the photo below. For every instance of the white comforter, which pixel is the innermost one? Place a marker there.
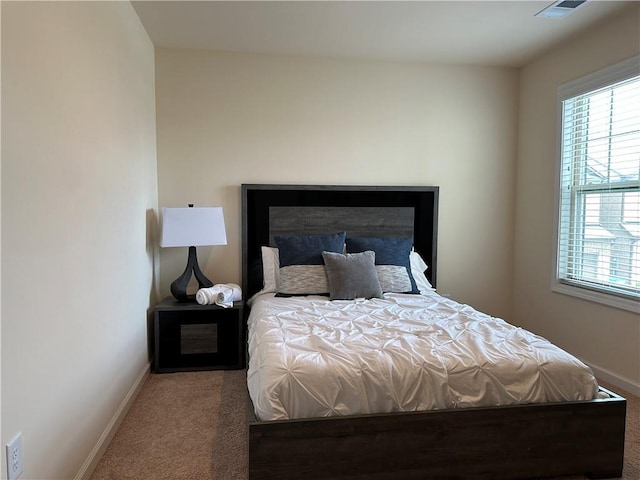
(311, 357)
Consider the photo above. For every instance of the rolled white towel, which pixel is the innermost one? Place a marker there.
(225, 298)
(222, 294)
(207, 296)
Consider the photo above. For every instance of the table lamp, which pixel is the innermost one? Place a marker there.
(192, 227)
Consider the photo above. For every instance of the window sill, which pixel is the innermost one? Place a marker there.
(615, 301)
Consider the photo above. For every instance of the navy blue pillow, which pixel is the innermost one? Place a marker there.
(307, 249)
(302, 270)
(392, 261)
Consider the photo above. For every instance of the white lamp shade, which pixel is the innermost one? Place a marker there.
(186, 227)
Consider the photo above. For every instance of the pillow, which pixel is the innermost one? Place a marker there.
(418, 267)
(392, 261)
(270, 269)
(302, 269)
(352, 275)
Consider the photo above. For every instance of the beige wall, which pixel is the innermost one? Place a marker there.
(605, 337)
(79, 191)
(228, 119)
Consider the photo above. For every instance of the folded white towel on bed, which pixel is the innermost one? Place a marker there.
(222, 294)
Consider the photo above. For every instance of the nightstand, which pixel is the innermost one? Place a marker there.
(189, 336)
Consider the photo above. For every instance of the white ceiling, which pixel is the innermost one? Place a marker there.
(498, 33)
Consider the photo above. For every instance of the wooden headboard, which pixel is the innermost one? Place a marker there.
(381, 211)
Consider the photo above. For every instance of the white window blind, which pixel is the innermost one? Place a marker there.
(599, 201)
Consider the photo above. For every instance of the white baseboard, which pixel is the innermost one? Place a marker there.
(103, 442)
(619, 381)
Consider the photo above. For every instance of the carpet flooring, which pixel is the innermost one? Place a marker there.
(193, 426)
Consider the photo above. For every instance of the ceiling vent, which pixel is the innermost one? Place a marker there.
(559, 9)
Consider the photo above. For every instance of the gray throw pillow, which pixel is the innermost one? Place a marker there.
(352, 275)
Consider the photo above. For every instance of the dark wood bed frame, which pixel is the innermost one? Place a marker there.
(505, 442)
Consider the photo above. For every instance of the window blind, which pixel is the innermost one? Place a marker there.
(599, 207)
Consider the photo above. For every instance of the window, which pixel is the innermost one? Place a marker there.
(598, 234)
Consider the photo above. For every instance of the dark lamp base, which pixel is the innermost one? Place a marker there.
(179, 285)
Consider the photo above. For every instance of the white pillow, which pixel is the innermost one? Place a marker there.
(418, 267)
(270, 269)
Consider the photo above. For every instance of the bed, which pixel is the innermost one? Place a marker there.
(441, 438)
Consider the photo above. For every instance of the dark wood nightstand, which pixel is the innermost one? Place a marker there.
(189, 336)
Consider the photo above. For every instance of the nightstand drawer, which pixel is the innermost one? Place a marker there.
(197, 337)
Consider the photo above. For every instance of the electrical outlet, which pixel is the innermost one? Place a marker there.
(14, 457)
